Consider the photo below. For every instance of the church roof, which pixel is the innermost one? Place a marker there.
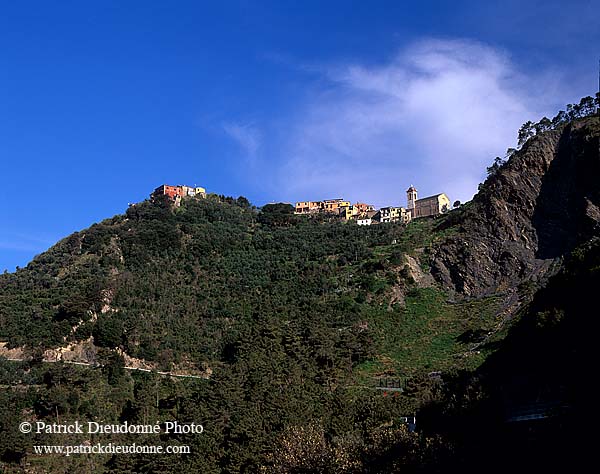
(429, 197)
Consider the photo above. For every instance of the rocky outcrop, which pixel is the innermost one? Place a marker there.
(541, 204)
(15, 353)
(415, 272)
(82, 352)
(86, 353)
(410, 275)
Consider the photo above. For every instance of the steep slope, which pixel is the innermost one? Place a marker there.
(541, 204)
(532, 399)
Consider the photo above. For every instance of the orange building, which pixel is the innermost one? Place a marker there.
(166, 190)
(361, 207)
(307, 207)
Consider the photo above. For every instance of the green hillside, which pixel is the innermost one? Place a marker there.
(190, 283)
(302, 315)
(309, 340)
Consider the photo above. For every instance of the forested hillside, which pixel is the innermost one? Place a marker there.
(296, 325)
(303, 315)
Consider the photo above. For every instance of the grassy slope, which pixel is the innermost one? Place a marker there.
(426, 334)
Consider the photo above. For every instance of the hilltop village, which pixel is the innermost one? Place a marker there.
(362, 213)
(366, 214)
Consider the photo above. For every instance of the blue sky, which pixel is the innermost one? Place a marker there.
(102, 101)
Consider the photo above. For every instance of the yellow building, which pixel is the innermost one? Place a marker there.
(307, 207)
(346, 212)
(333, 205)
(405, 216)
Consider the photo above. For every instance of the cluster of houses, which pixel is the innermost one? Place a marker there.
(175, 193)
(366, 214)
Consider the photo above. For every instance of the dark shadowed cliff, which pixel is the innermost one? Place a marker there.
(539, 205)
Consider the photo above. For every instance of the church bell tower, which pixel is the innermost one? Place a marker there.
(411, 197)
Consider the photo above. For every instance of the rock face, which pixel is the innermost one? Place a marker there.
(541, 204)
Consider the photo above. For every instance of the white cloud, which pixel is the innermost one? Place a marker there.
(246, 136)
(434, 116)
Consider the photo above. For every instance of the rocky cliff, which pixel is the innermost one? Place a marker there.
(536, 208)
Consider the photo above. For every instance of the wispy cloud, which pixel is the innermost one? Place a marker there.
(435, 115)
(247, 136)
(23, 243)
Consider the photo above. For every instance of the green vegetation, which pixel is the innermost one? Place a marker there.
(587, 107)
(286, 311)
(432, 334)
(296, 320)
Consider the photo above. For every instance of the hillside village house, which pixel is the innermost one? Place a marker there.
(362, 207)
(307, 207)
(347, 213)
(334, 205)
(394, 214)
(367, 218)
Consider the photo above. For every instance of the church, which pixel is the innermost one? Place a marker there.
(428, 206)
